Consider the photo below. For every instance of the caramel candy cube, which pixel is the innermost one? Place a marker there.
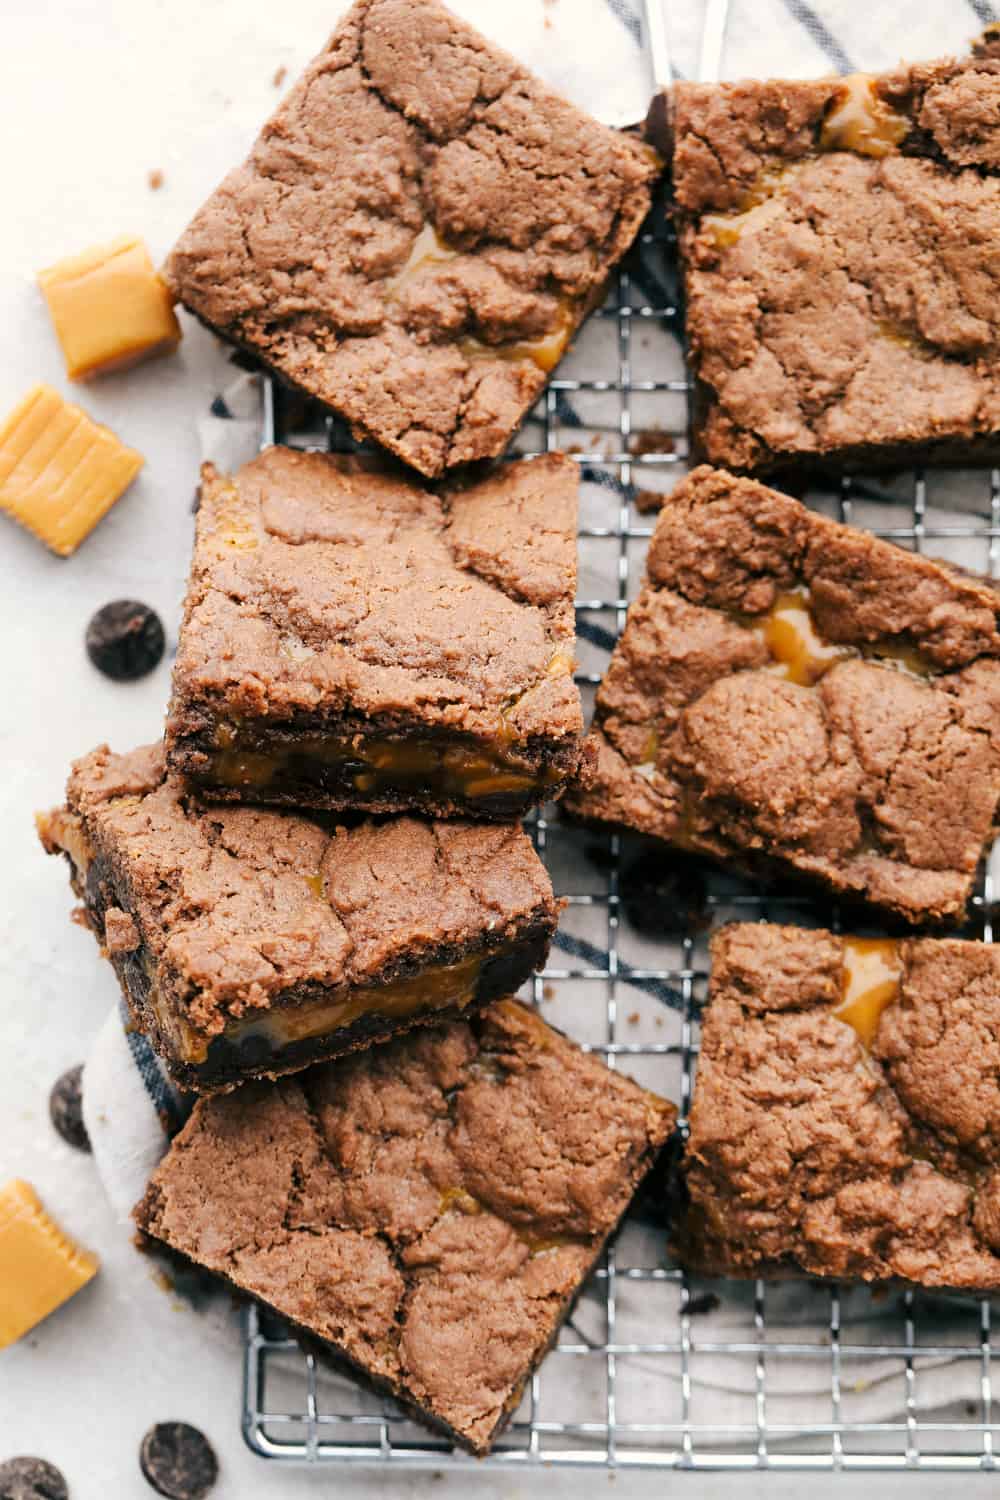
(109, 308)
(40, 1268)
(60, 472)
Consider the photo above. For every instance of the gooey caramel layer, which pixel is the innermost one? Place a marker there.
(443, 987)
(450, 770)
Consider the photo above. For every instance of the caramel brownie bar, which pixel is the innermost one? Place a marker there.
(253, 942)
(793, 691)
(846, 1113)
(429, 1208)
(416, 234)
(352, 640)
(843, 286)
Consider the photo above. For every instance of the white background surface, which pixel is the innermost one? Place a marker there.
(94, 94)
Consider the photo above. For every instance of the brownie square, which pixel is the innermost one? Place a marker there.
(429, 1208)
(846, 1112)
(251, 942)
(353, 640)
(792, 693)
(416, 234)
(839, 241)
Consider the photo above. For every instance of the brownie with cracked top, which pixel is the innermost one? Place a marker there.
(352, 640)
(416, 234)
(252, 942)
(846, 1111)
(429, 1208)
(840, 246)
(791, 693)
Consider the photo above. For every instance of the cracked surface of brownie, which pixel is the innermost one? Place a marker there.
(839, 239)
(416, 234)
(812, 1150)
(791, 691)
(430, 1208)
(263, 931)
(352, 640)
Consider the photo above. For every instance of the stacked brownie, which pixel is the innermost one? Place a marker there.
(316, 892)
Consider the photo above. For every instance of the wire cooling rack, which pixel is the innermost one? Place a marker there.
(656, 1369)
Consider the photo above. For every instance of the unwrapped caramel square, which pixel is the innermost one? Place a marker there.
(60, 472)
(40, 1268)
(109, 308)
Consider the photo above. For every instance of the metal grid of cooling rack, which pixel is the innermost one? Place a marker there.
(655, 1370)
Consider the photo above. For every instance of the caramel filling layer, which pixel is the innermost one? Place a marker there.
(862, 122)
(428, 249)
(439, 988)
(869, 982)
(383, 765)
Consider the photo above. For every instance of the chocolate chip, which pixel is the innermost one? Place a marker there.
(664, 895)
(31, 1479)
(125, 640)
(178, 1461)
(66, 1108)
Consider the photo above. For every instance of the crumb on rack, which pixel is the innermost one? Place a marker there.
(633, 1018)
(548, 992)
(155, 179)
(651, 440)
(648, 500)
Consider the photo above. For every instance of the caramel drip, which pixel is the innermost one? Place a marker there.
(869, 982)
(801, 654)
(463, 1202)
(795, 646)
(861, 122)
(428, 249)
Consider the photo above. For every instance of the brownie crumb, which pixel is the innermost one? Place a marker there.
(633, 1018)
(548, 992)
(280, 74)
(647, 501)
(155, 179)
(652, 440)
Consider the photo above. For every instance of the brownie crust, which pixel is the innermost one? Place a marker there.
(809, 1151)
(351, 640)
(416, 234)
(879, 779)
(222, 922)
(429, 1208)
(838, 240)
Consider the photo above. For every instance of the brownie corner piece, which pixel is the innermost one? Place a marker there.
(416, 234)
(250, 942)
(439, 1252)
(809, 349)
(844, 1118)
(790, 694)
(354, 640)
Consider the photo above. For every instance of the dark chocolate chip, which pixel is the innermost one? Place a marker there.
(178, 1461)
(705, 1302)
(31, 1479)
(664, 895)
(125, 640)
(66, 1108)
